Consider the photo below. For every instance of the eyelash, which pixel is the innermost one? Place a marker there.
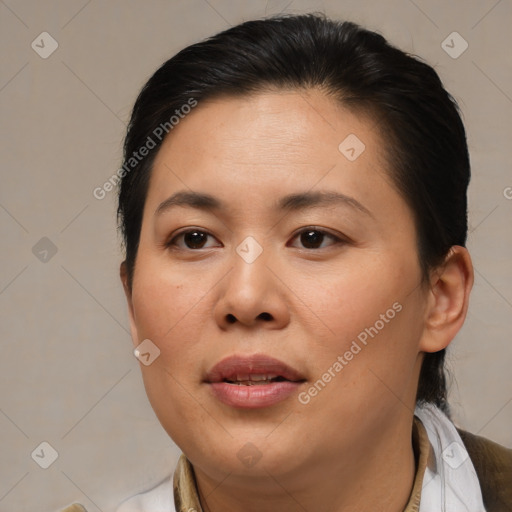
(171, 243)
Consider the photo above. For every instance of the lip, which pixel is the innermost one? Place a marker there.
(253, 396)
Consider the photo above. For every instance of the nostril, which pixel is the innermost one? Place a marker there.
(264, 316)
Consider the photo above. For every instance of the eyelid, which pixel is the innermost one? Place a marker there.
(339, 238)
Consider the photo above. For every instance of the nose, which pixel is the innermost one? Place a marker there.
(251, 294)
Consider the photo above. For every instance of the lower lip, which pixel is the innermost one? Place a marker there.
(255, 396)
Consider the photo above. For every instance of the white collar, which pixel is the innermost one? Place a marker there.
(451, 484)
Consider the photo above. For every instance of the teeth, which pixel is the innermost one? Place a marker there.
(250, 380)
(261, 377)
(252, 383)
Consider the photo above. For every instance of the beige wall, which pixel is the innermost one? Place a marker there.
(67, 373)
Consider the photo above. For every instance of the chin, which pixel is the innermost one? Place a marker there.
(251, 456)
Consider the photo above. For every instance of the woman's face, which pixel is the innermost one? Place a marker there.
(330, 288)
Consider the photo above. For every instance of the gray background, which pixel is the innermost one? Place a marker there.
(67, 372)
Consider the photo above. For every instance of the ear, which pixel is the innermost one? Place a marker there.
(448, 300)
(123, 271)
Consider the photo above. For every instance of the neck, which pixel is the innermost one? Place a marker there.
(376, 475)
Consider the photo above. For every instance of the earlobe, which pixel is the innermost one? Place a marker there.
(448, 301)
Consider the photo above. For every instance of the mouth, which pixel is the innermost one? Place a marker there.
(253, 381)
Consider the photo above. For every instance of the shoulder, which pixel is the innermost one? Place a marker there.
(493, 465)
(158, 499)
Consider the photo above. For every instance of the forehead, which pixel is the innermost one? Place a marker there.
(268, 143)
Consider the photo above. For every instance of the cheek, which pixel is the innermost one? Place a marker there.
(364, 373)
(168, 312)
(369, 319)
(164, 303)
(349, 301)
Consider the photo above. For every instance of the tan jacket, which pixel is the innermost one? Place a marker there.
(493, 465)
(492, 462)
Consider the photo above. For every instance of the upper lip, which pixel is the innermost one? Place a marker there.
(258, 364)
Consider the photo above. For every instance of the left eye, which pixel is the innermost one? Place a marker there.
(196, 238)
(311, 237)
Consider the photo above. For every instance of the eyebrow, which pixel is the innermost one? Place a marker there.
(288, 203)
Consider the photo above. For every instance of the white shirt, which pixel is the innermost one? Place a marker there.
(158, 499)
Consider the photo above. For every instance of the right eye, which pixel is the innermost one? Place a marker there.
(192, 238)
